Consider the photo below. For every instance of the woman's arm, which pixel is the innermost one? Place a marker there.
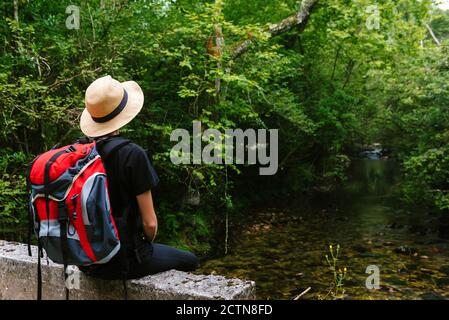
(149, 219)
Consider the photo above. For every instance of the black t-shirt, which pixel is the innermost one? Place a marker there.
(130, 173)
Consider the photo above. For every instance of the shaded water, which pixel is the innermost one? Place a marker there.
(284, 250)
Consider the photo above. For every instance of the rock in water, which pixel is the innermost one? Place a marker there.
(405, 250)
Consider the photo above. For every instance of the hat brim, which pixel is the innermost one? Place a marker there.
(135, 102)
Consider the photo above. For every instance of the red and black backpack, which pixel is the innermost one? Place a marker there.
(69, 205)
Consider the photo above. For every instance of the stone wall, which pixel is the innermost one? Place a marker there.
(18, 280)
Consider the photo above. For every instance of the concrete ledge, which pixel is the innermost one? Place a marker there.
(18, 280)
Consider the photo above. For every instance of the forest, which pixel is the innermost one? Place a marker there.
(337, 79)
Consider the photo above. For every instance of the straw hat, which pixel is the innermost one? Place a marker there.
(109, 106)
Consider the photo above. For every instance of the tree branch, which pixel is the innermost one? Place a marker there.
(58, 82)
(434, 37)
(299, 19)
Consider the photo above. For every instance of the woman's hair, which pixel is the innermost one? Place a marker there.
(113, 133)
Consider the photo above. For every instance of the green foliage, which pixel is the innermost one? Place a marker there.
(413, 121)
(428, 177)
(13, 195)
(440, 24)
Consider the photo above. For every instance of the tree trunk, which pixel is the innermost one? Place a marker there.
(219, 44)
(16, 10)
(218, 48)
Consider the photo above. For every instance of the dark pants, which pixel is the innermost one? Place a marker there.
(158, 258)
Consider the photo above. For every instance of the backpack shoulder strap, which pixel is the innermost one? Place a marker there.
(109, 146)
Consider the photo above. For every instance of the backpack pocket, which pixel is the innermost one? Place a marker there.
(98, 221)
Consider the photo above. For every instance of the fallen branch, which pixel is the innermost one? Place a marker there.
(298, 19)
(302, 293)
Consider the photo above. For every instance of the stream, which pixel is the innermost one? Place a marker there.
(283, 250)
